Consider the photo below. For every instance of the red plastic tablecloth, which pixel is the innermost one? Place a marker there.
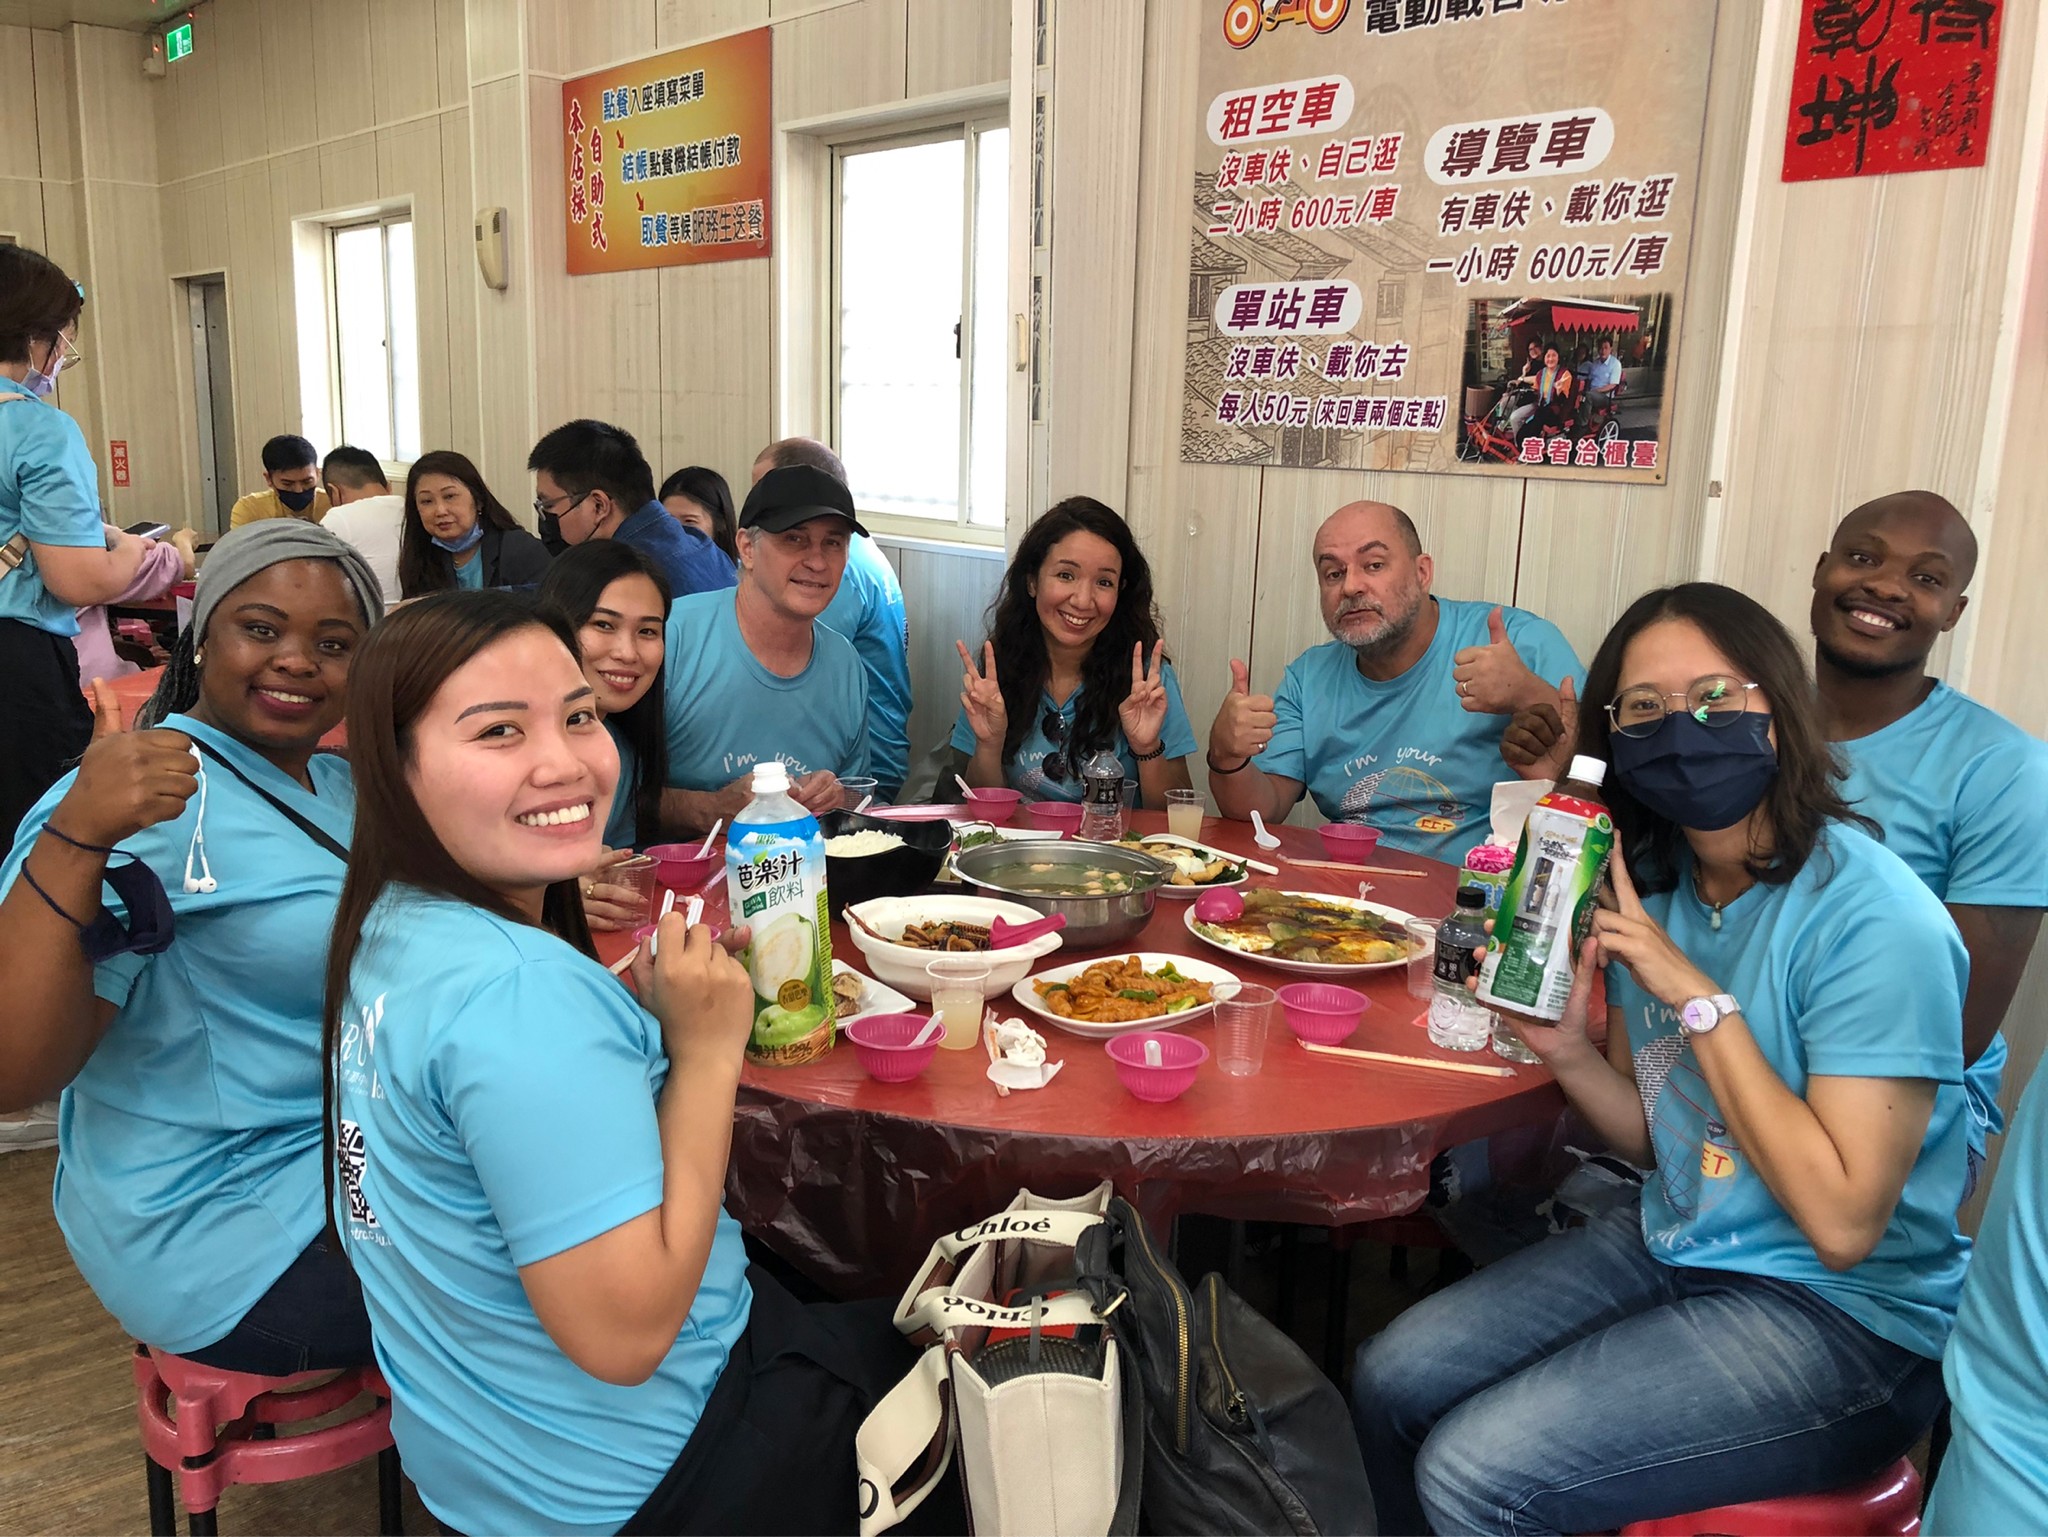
(850, 1179)
(134, 690)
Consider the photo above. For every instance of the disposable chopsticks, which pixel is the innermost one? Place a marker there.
(1331, 864)
(1484, 1070)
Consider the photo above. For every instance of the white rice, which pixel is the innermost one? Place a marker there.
(860, 845)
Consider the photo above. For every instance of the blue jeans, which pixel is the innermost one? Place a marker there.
(311, 1319)
(1582, 1384)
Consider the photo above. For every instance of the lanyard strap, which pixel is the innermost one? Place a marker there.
(311, 829)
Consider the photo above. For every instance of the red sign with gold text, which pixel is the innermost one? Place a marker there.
(1891, 85)
(667, 158)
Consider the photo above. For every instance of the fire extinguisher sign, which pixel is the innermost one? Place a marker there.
(117, 450)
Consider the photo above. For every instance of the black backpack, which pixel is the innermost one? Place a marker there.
(1241, 1432)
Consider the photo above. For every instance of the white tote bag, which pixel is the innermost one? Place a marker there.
(1040, 1442)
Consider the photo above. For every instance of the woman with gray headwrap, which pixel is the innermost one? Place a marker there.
(164, 918)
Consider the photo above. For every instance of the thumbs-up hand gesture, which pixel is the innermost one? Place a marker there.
(1245, 723)
(1143, 712)
(981, 695)
(1492, 679)
(127, 780)
(1538, 741)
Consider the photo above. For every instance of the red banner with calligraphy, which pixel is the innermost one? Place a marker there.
(1881, 86)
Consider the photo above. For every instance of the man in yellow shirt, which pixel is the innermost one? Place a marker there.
(292, 472)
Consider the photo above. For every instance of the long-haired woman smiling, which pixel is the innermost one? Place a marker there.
(533, 1163)
(1074, 663)
(1784, 1045)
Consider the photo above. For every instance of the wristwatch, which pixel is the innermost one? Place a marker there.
(1699, 1015)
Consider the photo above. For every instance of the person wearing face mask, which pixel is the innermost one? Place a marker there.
(291, 476)
(755, 674)
(1783, 1045)
(1396, 722)
(591, 481)
(529, 1163)
(157, 914)
(56, 555)
(615, 600)
(458, 535)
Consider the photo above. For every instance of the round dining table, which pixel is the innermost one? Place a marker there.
(850, 1179)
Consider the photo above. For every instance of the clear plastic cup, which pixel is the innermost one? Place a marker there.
(1509, 1045)
(1184, 811)
(1422, 964)
(630, 883)
(1244, 1014)
(854, 789)
(959, 993)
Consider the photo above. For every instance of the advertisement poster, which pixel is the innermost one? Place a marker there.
(1891, 85)
(1442, 235)
(668, 158)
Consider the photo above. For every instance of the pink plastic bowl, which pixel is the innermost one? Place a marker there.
(1179, 1056)
(1349, 841)
(1322, 1013)
(994, 804)
(1062, 817)
(882, 1043)
(679, 867)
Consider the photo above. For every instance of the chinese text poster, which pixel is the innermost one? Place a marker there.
(1442, 235)
(668, 158)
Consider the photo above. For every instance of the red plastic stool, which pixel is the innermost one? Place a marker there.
(1884, 1505)
(216, 1428)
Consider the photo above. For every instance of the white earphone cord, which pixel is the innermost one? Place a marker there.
(204, 881)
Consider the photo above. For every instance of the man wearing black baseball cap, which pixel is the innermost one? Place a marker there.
(752, 675)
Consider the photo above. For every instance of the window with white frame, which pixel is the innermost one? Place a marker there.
(920, 322)
(373, 337)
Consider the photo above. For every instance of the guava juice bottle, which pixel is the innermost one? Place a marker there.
(775, 877)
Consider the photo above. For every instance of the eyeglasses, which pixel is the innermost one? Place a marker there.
(543, 506)
(1054, 726)
(1714, 701)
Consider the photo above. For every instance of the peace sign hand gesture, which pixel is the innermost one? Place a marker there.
(1143, 712)
(981, 695)
(1628, 934)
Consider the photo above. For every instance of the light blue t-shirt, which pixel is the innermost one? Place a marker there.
(1404, 756)
(1850, 970)
(1026, 771)
(49, 491)
(497, 1108)
(1959, 791)
(868, 610)
(726, 712)
(188, 1166)
(622, 827)
(470, 577)
(1994, 1481)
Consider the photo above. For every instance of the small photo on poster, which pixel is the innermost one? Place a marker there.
(1565, 381)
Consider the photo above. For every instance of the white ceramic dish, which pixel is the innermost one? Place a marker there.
(874, 997)
(902, 966)
(1187, 966)
(1314, 968)
(1189, 893)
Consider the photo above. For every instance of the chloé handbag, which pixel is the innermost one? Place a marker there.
(1022, 1384)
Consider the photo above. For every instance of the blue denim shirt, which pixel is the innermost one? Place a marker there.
(690, 561)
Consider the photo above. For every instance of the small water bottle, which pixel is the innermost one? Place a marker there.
(1457, 1020)
(1102, 797)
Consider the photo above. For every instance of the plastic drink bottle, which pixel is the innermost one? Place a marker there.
(1457, 1020)
(1547, 908)
(1102, 798)
(775, 869)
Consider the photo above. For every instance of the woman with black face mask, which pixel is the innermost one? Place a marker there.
(1783, 1047)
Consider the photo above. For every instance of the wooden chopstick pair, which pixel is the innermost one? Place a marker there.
(1331, 864)
(1484, 1070)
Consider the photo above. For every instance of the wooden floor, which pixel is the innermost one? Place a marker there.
(69, 1458)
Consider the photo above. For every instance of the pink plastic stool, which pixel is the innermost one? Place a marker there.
(215, 1428)
(1884, 1505)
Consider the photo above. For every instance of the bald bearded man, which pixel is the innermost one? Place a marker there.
(1397, 722)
